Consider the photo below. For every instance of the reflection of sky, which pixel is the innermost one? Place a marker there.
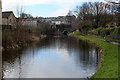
(55, 61)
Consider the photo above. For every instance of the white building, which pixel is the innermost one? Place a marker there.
(56, 22)
(29, 22)
(59, 20)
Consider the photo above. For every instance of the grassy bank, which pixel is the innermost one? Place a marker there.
(109, 66)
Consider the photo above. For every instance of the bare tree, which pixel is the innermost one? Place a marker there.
(24, 15)
(115, 8)
(113, 1)
(97, 8)
(19, 10)
(97, 13)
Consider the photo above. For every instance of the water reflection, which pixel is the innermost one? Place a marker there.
(52, 58)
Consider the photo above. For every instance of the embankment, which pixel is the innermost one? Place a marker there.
(22, 43)
(108, 68)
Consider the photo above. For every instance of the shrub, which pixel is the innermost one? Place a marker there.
(97, 31)
(100, 28)
(105, 32)
(85, 28)
(8, 37)
(115, 34)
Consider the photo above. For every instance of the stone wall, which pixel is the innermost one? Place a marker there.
(4, 21)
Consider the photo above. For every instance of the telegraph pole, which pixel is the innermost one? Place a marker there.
(0, 12)
(0, 39)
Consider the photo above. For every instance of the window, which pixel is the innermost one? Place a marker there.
(10, 20)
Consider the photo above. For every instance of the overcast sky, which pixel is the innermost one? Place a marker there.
(44, 8)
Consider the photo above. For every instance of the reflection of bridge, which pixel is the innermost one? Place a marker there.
(61, 27)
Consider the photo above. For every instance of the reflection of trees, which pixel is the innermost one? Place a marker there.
(11, 55)
(82, 51)
(63, 43)
(87, 53)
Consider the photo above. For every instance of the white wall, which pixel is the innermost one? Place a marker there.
(29, 23)
(56, 22)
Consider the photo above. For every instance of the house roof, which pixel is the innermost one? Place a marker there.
(6, 14)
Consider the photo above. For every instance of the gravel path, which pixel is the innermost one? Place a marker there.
(116, 43)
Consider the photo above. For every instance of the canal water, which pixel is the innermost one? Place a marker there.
(53, 57)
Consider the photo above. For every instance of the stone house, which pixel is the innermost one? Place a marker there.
(8, 19)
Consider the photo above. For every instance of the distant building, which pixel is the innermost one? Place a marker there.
(68, 19)
(8, 19)
(48, 19)
(56, 22)
(29, 22)
(59, 20)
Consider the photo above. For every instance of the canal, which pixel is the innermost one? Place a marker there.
(52, 57)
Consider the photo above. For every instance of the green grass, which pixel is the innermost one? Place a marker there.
(109, 66)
